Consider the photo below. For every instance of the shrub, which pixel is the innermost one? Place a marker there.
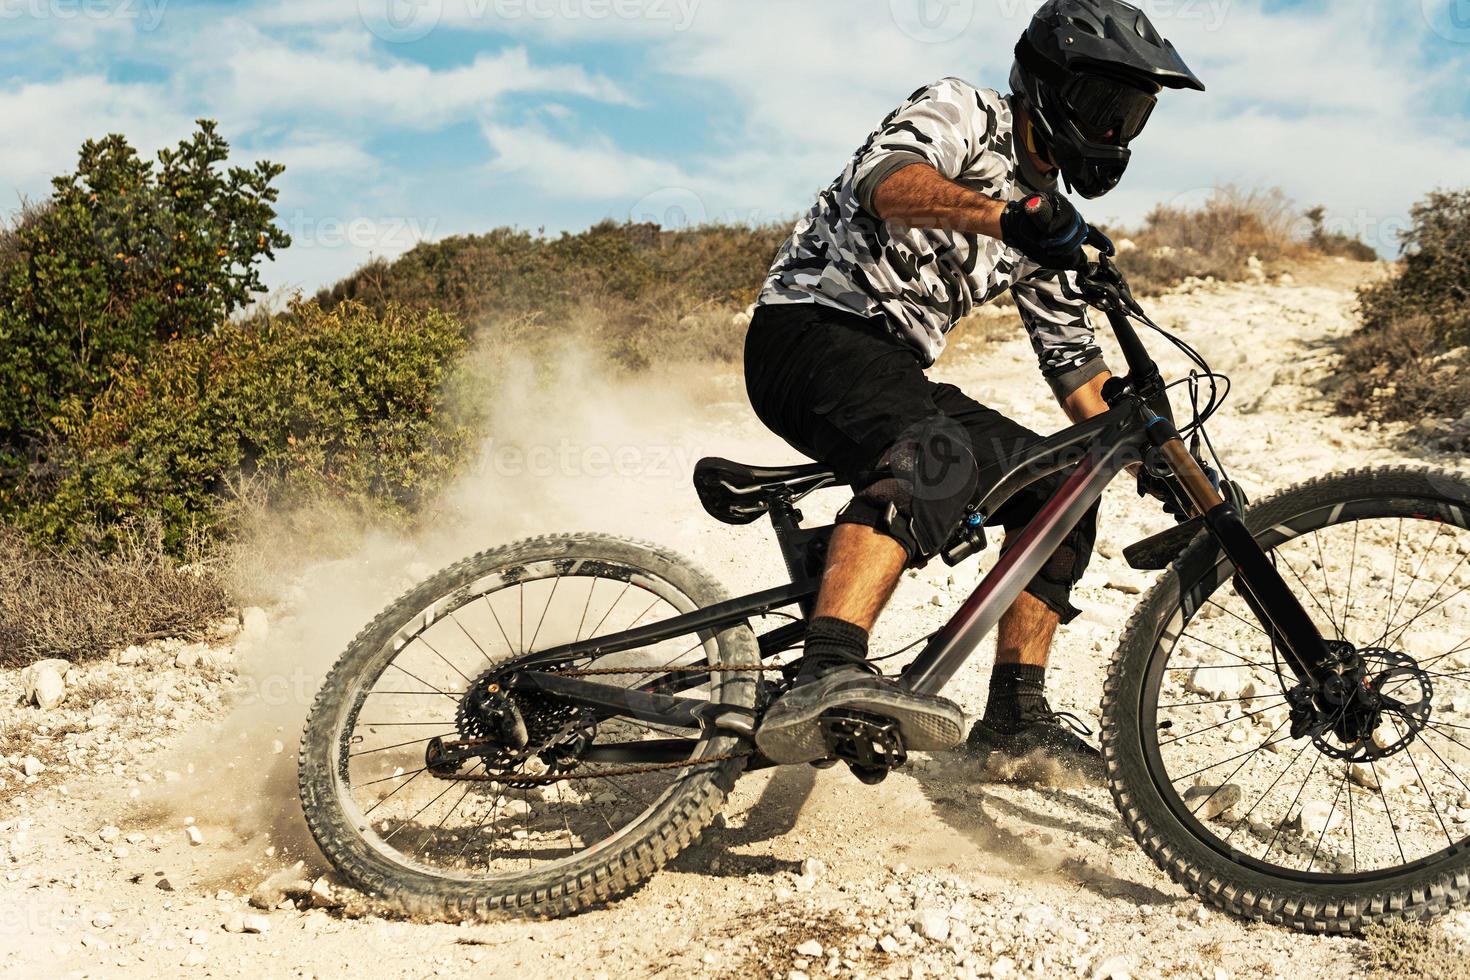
(122, 257)
(345, 404)
(630, 285)
(1408, 361)
(1335, 244)
(75, 603)
(1216, 239)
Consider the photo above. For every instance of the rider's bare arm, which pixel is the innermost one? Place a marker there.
(1087, 400)
(921, 197)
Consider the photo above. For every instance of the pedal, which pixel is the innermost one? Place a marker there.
(871, 745)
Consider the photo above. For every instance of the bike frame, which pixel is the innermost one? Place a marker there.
(1097, 450)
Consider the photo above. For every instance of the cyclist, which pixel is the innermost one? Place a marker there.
(950, 202)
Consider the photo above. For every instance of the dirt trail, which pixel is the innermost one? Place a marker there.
(1026, 881)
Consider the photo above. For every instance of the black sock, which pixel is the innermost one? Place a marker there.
(831, 641)
(1017, 692)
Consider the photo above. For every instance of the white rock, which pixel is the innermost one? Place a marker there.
(1114, 968)
(1364, 777)
(932, 924)
(1003, 968)
(195, 836)
(109, 834)
(1217, 682)
(1212, 801)
(102, 920)
(1318, 818)
(257, 924)
(888, 944)
(32, 766)
(812, 867)
(130, 656)
(44, 683)
(810, 949)
(235, 922)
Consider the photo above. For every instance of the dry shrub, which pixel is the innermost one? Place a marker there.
(76, 603)
(1407, 950)
(1411, 359)
(1216, 239)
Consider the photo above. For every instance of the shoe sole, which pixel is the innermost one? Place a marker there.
(791, 731)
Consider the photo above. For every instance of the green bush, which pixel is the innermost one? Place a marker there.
(122, 257)
(1408, 361)
(346, 405)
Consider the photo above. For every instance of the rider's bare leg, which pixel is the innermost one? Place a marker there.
(1025, 632)
(863, 568)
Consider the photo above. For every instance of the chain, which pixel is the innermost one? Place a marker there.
(549, 778)
(696, 669)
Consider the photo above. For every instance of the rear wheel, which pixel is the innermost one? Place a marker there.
(1324, 823)
(544, 818)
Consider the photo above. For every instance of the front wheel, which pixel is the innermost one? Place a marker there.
(540, 816)
(1324, 826)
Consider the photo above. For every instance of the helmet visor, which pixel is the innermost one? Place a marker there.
(1107, 111)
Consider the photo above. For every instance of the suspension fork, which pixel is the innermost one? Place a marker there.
(1256, 577)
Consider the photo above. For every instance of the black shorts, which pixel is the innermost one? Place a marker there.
(842, 390)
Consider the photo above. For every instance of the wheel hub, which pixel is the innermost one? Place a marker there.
(1372, 705)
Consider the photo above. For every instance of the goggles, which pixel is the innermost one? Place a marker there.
(1105, 110)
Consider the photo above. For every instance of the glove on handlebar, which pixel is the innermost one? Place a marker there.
(1047, 229)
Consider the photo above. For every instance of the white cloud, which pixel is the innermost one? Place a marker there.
(46, 123)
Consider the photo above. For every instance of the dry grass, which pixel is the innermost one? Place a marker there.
(1409, 950)
(75, 603)
(1216, 239)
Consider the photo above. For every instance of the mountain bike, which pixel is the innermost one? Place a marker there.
(1285, 723)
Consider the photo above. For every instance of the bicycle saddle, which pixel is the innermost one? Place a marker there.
(734, 493)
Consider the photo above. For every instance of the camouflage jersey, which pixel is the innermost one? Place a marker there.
(921, 281)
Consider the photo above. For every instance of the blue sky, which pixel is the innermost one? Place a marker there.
(400, 120)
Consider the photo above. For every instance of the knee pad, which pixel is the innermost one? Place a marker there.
(918, 492)
(1063, 570)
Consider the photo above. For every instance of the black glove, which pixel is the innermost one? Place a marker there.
(1153, 486)
(1045, 228)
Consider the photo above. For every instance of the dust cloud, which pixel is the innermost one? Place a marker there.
(569, 445)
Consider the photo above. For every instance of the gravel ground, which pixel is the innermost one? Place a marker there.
(148, 823)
